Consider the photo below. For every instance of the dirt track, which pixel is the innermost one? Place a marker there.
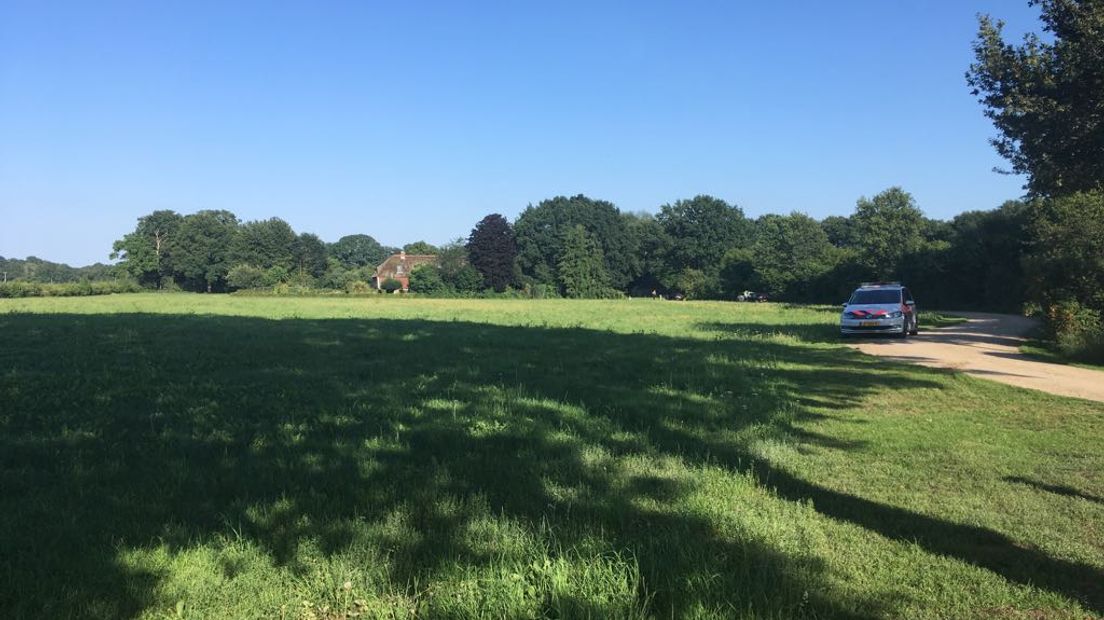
(988, 346)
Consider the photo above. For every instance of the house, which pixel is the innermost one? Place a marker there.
(398, 267)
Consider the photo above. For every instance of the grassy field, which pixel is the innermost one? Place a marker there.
(201, 456)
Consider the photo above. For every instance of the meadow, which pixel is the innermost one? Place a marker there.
(206, 456)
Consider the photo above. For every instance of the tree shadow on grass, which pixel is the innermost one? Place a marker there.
(123, 431)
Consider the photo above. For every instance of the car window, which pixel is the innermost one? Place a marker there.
(876, 296)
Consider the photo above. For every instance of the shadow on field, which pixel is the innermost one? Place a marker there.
(122, 432)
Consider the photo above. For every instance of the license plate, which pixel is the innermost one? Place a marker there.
(869, 324)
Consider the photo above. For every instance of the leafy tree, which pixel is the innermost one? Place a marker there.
(985, 259)
(701, 230)
(427, 279)
(391, 285)
(888, 227)
(420, 247)
(202, 248)
(581, 266)
(359, 251)
(1045, 97)
(452, 258)
(146, 253)
(651, 244)
(264, 243)
(790, 252)
(492, 250)
(840, 231)
(1066, 259)
(466, 280)
(542, 231)
(309, 255)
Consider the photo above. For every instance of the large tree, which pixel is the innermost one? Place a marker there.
(492, 250)
(202, 249)
(308, 254)
(359, 251)
(888, 227)
(702, 229)
(542, 231)
(420, 247)
(790, 253)
(146, 253)
(1046, 97)
(581, 266)
(264, 243)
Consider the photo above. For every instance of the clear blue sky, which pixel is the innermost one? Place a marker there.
(411, 120)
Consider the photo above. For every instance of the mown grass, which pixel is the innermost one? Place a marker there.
(194, 456)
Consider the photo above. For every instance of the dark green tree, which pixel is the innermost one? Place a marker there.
(420, 247)
(789, 254)
(888, 227)
(701, 230)
(202, 249)
(840, 231)
(146, 253)
(264, 244)
(581, 267)
(492, 250)
(1045, 96)
(651, 245)
(427, 279)
(308, 254)
(358, 251)
(542, 230)
(1065, 262)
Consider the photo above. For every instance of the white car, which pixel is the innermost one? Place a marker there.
(880, 308)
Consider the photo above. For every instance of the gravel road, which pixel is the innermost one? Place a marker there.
(988, 346)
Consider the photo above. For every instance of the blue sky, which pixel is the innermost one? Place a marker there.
(412, 120)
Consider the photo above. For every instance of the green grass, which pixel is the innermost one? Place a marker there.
(193, 456)
(1047, 351)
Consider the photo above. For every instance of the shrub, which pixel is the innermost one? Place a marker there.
(245, 277)
(1078, 330)
(359, 287)
(20, 288)
(391, 285)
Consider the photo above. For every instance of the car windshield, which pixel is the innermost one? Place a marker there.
(876, 296)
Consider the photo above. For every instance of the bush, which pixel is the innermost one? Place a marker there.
(359, 287)
(245, 277)
(391, 285)
(20, 288)
(1077, 330)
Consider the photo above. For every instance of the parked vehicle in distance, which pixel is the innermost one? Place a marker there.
(752, 296)
(880, 308)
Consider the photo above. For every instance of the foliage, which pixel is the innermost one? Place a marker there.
(34, 269)
(427, 279)
(1045, 96)
(581, 267)
(888, 227)
(542, 232)
(201, 252)
(390, 285)
(701, 230)
(147, 253)
(264, 244)
(420, 247)
(354, 251)
(492, 250)
(245, 277)
(25, 288)
(309, 256)
(790, 253)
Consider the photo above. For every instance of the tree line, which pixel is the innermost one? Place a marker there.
(700, 248)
